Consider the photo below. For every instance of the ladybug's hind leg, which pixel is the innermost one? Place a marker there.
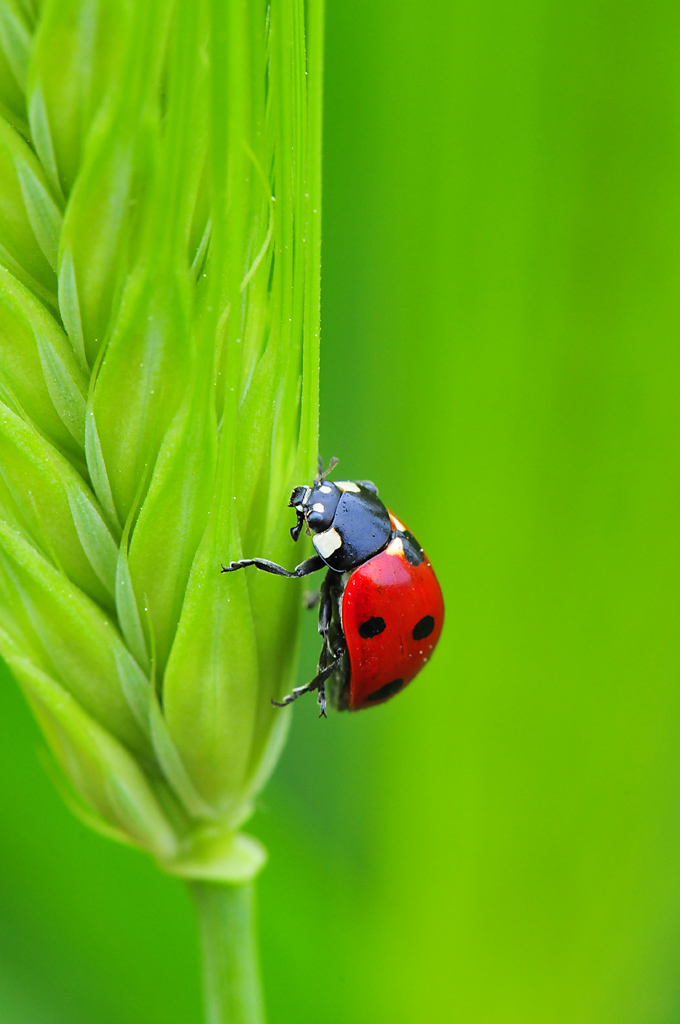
(317, 683)
(332, 652)
(325, 619)
(325, 616)
(325, 612)
(329, 660)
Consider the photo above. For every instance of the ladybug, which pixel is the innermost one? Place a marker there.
(380, 605)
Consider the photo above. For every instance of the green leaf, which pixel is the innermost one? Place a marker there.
(113, 198)
(69, 307)
(278, 613)
(126, 598)
(76, 66)
(20, 247)
(15, 40)
(172, 766)
(76, 638)
(15, 615)
(211, 680)
(266, 754)
(101, 770)
(12, 101)
(76, 804)
(145, 372)
(94, 238)
(10, 512)
(38, 368)
(255, 422)
(173, 518)
(42, 211)
(57, 509)
(136, 687)
(62, 379)
(128, 609)
(97, 470)
(93, 534)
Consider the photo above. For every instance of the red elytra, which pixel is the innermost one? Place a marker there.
(407, 598)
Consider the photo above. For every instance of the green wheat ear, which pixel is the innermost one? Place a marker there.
(159, 296)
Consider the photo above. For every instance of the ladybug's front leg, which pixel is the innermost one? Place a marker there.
(310, 565)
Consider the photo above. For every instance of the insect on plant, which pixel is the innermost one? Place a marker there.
(380, 606)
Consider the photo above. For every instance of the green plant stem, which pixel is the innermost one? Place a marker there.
(231, 976)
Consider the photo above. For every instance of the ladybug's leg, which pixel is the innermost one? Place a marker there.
(312, 599)
(325, 607)
(311, 565)
(333, 649)
(317, 683)
(330, 658)
(325, 616)
(325, 673)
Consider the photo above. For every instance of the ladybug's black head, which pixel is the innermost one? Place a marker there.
(297, 499)
(315, 506)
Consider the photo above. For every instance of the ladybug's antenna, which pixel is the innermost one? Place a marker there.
(323, 473)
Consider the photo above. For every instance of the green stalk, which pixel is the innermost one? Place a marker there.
(231, 976)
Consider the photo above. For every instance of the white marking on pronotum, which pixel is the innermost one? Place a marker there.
(318, 506)
(395, 547)
(307, 495)
(327, 542)
(348, 485)
(397, 525)
(325, 489)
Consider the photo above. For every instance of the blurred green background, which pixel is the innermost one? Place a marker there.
(501, 327)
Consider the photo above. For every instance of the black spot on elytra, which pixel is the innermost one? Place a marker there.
(423, 628)
(383, 692)
(371, 627)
